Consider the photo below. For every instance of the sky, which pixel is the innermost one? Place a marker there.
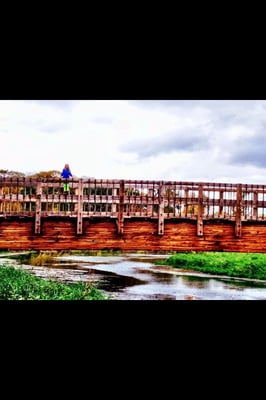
(177, 140)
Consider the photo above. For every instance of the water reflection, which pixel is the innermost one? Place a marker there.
(194, 282)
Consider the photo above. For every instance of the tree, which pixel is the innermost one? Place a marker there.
(5, 173)
(46, 174)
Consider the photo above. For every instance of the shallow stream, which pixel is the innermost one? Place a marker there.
(136, 277)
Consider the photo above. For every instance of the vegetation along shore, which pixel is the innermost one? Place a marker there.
(17, 284)
(237, 265)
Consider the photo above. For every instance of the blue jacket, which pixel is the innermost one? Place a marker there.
(66, 173)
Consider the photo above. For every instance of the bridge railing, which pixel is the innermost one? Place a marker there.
(122, 199)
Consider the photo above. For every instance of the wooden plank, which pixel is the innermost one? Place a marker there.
(59, 233)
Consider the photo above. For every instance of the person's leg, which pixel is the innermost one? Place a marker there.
(66, 187)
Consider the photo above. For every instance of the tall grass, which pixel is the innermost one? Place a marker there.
(16, 284)
(245, 265)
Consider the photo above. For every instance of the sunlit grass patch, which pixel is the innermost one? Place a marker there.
(244, 265)
(16, 284)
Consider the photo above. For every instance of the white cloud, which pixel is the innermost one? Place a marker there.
(116, 139)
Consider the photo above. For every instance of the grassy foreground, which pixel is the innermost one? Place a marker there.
(16, 284)
(242, 265)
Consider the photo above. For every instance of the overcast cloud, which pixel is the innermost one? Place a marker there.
(182, 140)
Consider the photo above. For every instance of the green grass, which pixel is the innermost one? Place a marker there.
(16, 284)
(243, 265)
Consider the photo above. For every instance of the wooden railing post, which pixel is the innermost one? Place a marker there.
(113, 206)
(255, 207)
(238, 211)
(221, 203)
(38, 208)
(200, 212)
(120, 221)
(80, 207)
(161, 210)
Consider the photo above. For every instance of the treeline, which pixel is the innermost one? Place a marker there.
(5, 173)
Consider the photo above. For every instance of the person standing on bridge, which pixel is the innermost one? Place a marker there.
(66, 174)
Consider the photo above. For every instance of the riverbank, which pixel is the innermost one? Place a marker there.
(250, 266)
(146, 276)
(17, 284)
(190, 272)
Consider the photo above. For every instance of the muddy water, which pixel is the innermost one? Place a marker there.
(136, 277)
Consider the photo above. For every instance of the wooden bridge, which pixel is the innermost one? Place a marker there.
(132, 214)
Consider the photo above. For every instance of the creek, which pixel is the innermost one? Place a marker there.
(136, 277)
